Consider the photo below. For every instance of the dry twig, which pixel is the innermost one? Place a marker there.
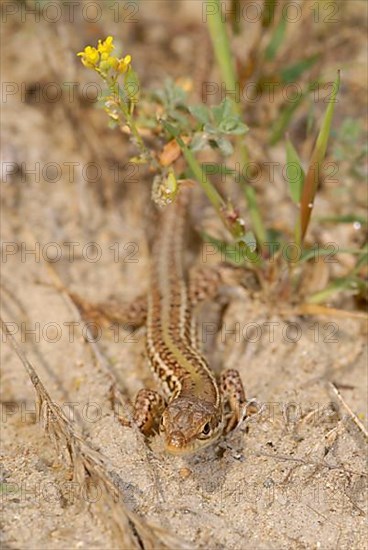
(352, 415)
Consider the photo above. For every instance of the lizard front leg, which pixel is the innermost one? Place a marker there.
(148, 408)
(232, 389)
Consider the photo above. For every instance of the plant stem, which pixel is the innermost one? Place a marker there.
(211, 192)
(221, 46)
(234, 224)
(139, 141)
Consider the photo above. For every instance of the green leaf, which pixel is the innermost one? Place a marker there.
(223, 111)
(232, 125)
(199, 142)
(294, 173)
(224, 145)
(210, 129)
(175, 95)
(217, 113)
(200, 112)
(171, 96)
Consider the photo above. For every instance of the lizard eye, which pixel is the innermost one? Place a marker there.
(206, 429)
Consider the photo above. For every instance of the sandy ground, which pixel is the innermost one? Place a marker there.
(294, 476)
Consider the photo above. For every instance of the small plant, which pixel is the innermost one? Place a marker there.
(184, 130)
(181, 130)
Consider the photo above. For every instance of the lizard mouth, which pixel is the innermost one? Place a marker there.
(180, 451)
(176, 444)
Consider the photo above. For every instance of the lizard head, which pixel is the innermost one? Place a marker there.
(189, 424)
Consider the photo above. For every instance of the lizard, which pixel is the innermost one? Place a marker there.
(197, 408)
(193, 415)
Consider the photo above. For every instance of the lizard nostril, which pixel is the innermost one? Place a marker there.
(176, 440)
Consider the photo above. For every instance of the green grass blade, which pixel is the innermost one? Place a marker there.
(281, 123)
(353, 284)
(362, 261)
(295, 71)
(225, 61)
(312, 178)
(344, 218)
(320, 252)
(277, 39)
(221, 47)
(295, 173)
(255, 215)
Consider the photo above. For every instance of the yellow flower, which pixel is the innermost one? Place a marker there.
(100, 59)
(108, 62)
(123, 64)
(106, 46)
(90, 57)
